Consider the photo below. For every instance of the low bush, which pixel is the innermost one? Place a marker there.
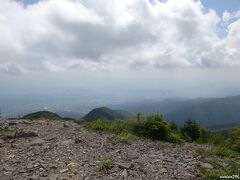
(153, 127)
(106, 165)
(194, 132)
(216, 139)
(175, 138)
(8, 132)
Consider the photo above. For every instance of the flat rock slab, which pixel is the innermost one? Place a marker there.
(2, 141)
(124, 165)
(206, 165)
(67, 142)
(37, 142)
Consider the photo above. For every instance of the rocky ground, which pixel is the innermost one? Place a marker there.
(51, 150)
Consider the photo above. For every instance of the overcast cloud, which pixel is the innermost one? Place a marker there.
(60, 35)
(80, 54)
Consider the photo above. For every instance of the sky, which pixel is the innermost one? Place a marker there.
(221, 5)
(119, 50)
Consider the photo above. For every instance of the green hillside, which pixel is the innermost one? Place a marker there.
(42, 115)
(106, 114)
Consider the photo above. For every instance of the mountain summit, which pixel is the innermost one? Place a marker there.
(42, 115)
(107, 114)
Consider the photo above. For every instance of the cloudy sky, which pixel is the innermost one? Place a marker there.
(120, 48)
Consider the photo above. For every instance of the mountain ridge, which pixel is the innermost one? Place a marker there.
(207, 111)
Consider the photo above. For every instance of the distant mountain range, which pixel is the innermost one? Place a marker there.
(70, 114)
(107, 114)
(209, 112)
(215, 113)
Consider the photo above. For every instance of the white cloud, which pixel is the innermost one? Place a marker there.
(52, 67)
(12, 68)
(75, 64)
(226, 16)
(57, 35)
(230, 16)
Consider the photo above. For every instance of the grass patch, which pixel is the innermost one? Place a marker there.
(219, 151)
(213, 174)
(126, 138)
(225, 152)
(231, 168)
(152, 127)
(107, 165)
(224, 161)
(116, 127)
(8, 132)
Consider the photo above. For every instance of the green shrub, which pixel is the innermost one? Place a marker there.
(192, 130)
(173, 126)
(236, 146)
(216, 139)
(106, 165)
(8, 132)
(139, 116)
(175, 138)
(235, 134)
(204, 135)
(154, 127)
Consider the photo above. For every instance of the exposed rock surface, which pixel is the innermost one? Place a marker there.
(206, 165)
(53, 150)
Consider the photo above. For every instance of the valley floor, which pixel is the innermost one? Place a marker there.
(65, 150)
